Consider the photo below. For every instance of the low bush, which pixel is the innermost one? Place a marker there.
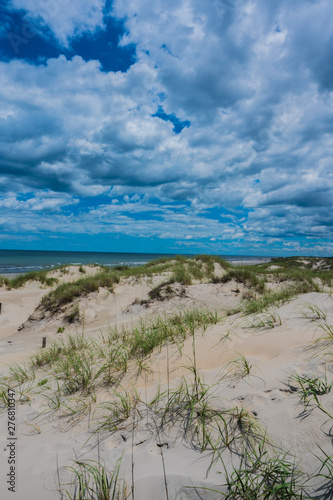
(67, 292)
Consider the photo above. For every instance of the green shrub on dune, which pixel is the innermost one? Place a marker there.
(22, 279)
(67, 292)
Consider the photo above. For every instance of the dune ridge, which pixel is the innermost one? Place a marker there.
(171, 380)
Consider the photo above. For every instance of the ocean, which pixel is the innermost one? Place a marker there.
(23, 261)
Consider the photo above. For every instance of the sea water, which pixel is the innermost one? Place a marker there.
(23, 261)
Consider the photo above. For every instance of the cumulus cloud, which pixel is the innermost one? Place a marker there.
(251, 80)
(66, 18)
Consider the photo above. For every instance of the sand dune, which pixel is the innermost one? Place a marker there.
(242, 368)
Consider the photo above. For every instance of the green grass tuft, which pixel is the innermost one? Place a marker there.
(67, 292)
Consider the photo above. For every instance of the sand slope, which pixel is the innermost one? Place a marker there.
(49, 439)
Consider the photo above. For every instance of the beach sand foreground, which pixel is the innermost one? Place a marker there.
(223, 392)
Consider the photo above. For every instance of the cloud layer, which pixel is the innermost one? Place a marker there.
(252, 82)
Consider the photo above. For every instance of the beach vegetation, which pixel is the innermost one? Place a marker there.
(326, 338)
(314, 312)
(277, 297)
(73, 373)
(93, 481)
(40, 276)
(67, 292)
(4, 281)
(247, 275)
(325, 473)
(149, 334)
(111, 414)
(18, 374)
(309, 388)
(265, 320)
(242, 364)
(260, 476)
(73, 314)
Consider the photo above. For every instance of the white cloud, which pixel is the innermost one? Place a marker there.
(255, 86)
(66, 18)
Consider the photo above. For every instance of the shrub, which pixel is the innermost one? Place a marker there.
(67, 292)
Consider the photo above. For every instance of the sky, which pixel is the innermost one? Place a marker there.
(180, 126)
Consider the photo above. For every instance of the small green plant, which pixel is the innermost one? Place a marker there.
(92, 481)
(82, 270)
(325, 472)
(314, 312)
(310, 388)
(55, 398)
(4, 398)
(261, 477)
(73, 314)
(18, 374)
(46, 356)
(266, 320)
(243, 366)
(78, 372)
(114, 361)
(42, 382)
(326, 339)
(189, 407)
(66, 293)
(111, 415)
(61, 329)
(182, 275)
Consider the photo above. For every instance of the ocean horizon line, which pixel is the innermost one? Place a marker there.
(23, 261)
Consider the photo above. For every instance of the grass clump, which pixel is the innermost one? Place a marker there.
(243, 366)
(67, 292)
(266, 320)
(73, 315)
(189, 407)
(261, 477)
(314, 312)
(150, 334)
(22, 279)
(182, 275)
(114, 413)
(92, 481)
(165, 288)
(309, 388)
(46, 356)
(243, 274)
(78, 371)
(277, 297)
(4, 281)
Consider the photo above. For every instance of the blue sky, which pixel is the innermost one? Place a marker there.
(183, 126)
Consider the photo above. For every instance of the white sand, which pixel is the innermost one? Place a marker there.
(46, 441)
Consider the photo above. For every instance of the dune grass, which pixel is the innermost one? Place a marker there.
(181, 270)
(309, 388)
(82, 364)
(68, 292)
(148, 335)
(93, 481)
(247, 275)
(278, 297)
(76, 367)
(260, 476)
(19, 281)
